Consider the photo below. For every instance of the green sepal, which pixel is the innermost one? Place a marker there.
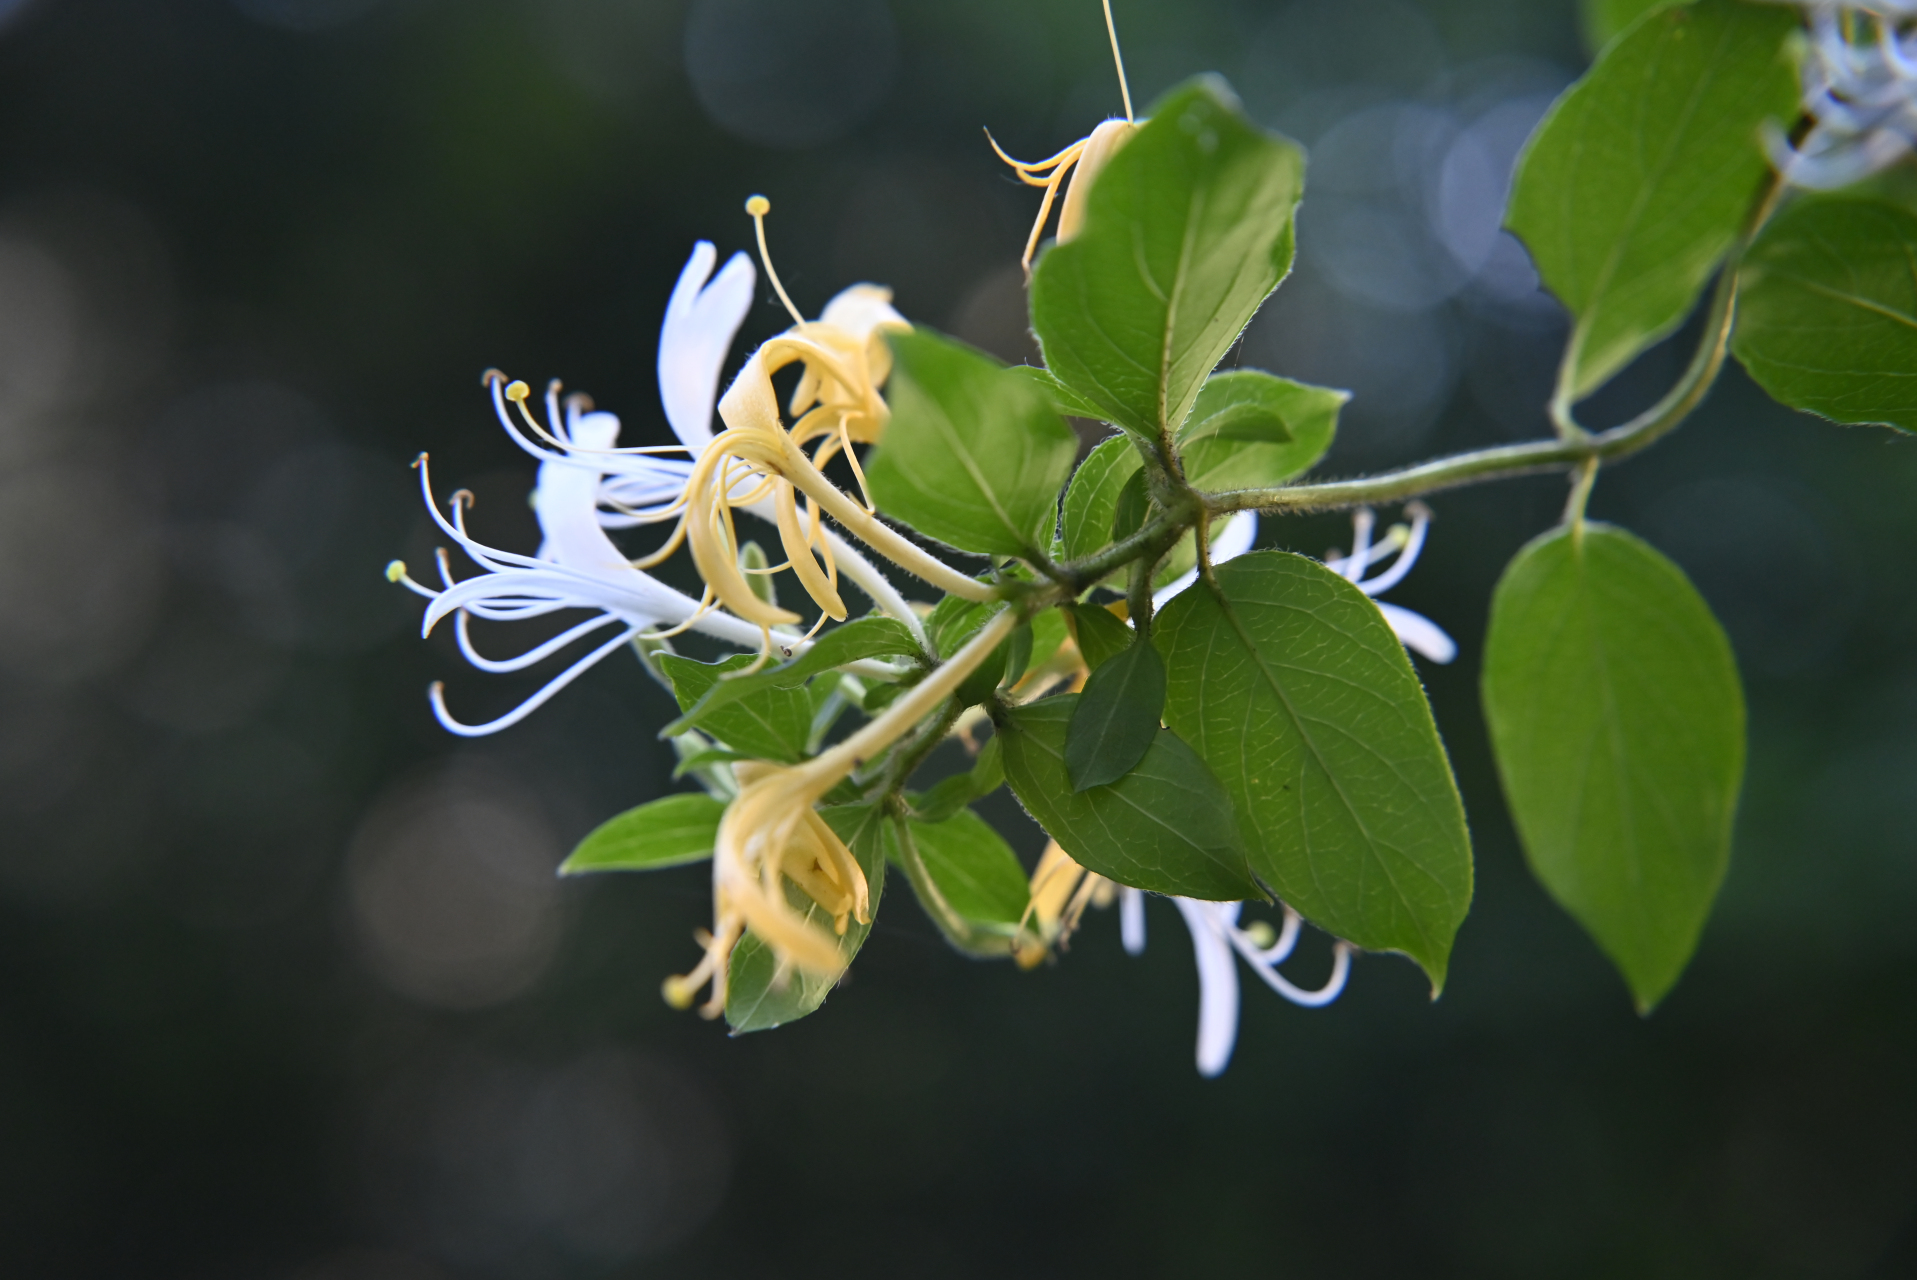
(668, 832)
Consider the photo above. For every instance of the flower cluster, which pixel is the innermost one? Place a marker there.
(1860, 93)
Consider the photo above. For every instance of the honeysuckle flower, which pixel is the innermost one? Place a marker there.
(586, 485)
(772, 833)
(1077, 165)
(1860, 91)
(756, 459)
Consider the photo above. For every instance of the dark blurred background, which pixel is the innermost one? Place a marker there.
(289, 988)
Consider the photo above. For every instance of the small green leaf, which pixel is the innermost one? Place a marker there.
(758, 996)
(968, 880)
(767, 721)
(1091, 504)
(1636, 183)
(1134, 504)
(1098, 633)
(988, 771)
(974, 455)
(1827, 311)
(1290, 685)
(667, 832)
(1618, 725)
(951, 623)
(705, 759)
(1187, 230)
(1048, 633)
(1604, 20)
(1018, 653)
(872, 637)
(1116, 719)
(1166, 826)
(1252, 430)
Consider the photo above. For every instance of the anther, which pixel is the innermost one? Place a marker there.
(395, 571)
(490, 377)
(517, 393)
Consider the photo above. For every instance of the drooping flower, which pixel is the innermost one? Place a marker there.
(772, 832)
(1860, 91)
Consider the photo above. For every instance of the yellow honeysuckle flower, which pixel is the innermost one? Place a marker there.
(1077, 164)
(845, 361)
(771, 833)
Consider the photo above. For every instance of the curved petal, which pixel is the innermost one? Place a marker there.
(701, 321)
(1217, 985)
(1418, 633)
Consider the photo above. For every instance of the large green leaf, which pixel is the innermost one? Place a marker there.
(768, 721)
(1166, 826)
(1290, 685)
(1091, 503)
(1116, 720)
(967, 878)
(974, 455)
(873, 637)
(1638, 180)
(666, 832)
(1252, 430)
(1618, 725)
(1827, 311)
(758, 996)
(1187, 230)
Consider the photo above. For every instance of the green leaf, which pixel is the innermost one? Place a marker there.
(1252, 430)
(1290, 685)
(758, 997)
(767, 721)
(1091, 504)
(667, 832)
(1187, 230)
(1048, 633)
(1166, 826)
(1018, 653)
(1056, 393)
(1604, 20)
(873, 637)
(1098, 632)
(1134, 504)
(1637, 182)
(701, 760)
(1618, 725)
(968, 880)
(974, 455)
(1827, 311)
(1116, 720)
(951, 623)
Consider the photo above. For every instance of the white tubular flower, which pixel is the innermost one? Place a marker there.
(579, 568)
(1860, 91)
(1415, 631)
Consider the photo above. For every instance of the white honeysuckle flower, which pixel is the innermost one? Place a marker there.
(1415, 631)
(1860, 91)
(586, 485)
(1215, 932)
